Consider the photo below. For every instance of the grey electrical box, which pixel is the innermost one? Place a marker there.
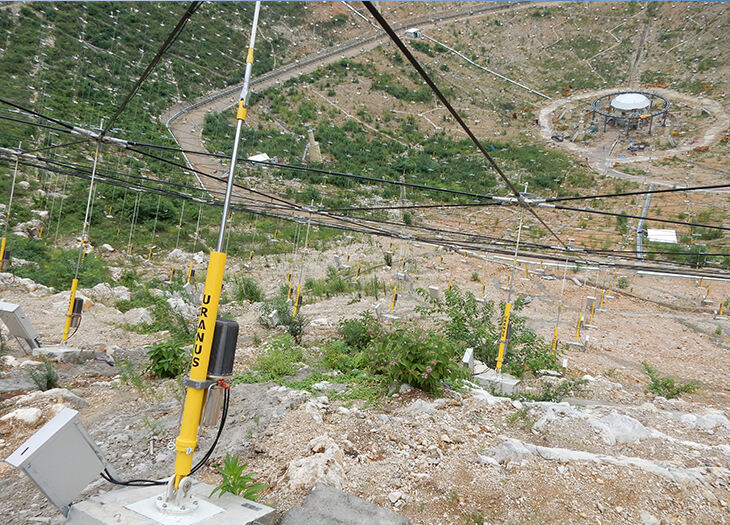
(61, 459)
(19, 326)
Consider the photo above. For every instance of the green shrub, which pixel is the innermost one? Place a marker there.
(168, 359)
(556, 391)
(418, 357)
(667, 387)
(473, 324)
(358, 333)
(236, 481)
(246, 289)
(44, 377)
(622, 283)
(407, 218)
(388, 259)
(475, 277)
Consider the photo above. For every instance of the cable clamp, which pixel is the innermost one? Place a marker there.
(222, 383)
(198, 385)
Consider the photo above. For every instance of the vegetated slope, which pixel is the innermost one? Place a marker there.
(373, 115)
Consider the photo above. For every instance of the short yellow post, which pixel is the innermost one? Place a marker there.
(70, 311)
(40, 232)
(188, 439)
(577, 327)
(707, 295)
(276, 234)
(554, 345)
(288, 293)
(250, 256)
(357, 272)
(603, 293)
(2, 251)
(402, 264)
(149, 255)
(503, 336)
(190, 273)
(484, 285)
(390, 244)
(441, 261)
(296, 300)
(172, 274)
(347, 259)
(394, 299)
(131, 247)
(722, 307)
(288, 277)
(701, 279)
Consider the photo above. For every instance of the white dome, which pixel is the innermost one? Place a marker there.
(630, 102)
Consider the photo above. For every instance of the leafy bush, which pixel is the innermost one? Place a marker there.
(473, 324)
(475, 277)
(236, 481)
(388, 259)
(44, 377)
(168, 359)
(418, 357)
(246, 289)
(332, 284)
(622, 283)
(358, 333)
(667, 387)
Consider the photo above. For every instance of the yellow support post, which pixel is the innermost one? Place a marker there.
(190, 273)
(722, 307)
(603, 292)
(347, 259)
(390, 244)
(503, 336)
(149, 255)
(2, 251)
(288, 277)
(40, 232)
(484, 286)
(357, 272)
(288, 293)
(131, 247)
(554, 345)
(402, 264)
(70, 311)
(441, 261)
(701, 279)
(448, 287)
(577, 327)
(394, 299)
(250, 256)
(172, 274)
(188, 439)
(296, 300)
(707, 295)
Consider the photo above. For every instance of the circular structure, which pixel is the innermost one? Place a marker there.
(630, 102)
(629, 110)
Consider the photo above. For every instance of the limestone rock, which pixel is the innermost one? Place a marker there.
(30, 416)
(324, 465)
(137, 316)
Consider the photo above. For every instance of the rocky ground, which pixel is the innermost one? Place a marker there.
(615, 454)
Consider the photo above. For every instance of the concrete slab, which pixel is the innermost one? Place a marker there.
(576, 344)
(498, 383)
(591, 326)
(113, 507)
(328, 506)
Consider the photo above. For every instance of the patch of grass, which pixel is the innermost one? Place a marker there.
(131, 376)
(281, 359)
(522, 420)
(665, 386)
(236, 480)
(45, 377)
(556, 391)
(247, 289)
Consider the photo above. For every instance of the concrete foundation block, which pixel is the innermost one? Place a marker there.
(114, 507)
(498, 383)
(576, 344)
(328, 506)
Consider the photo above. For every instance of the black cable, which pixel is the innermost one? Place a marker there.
(194, 6)
(628, 216)
(149, 482)
(426, 78)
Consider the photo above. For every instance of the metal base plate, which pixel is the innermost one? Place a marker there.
(148, 508)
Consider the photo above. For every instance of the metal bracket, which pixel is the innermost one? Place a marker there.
(198, 385)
